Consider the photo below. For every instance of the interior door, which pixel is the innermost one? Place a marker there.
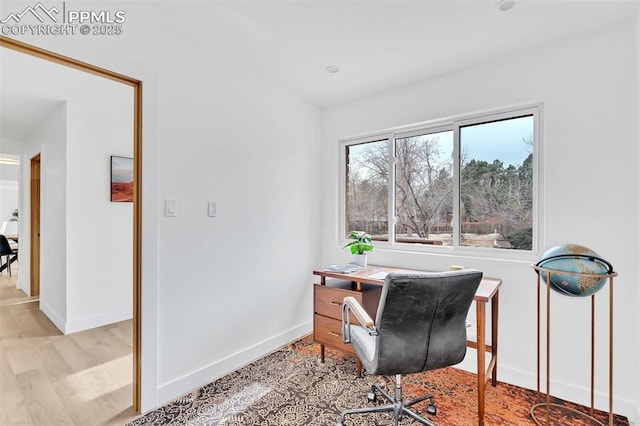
(35, 226)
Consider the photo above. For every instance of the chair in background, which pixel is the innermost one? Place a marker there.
(10, 252)
(9, 228)
(420, 325)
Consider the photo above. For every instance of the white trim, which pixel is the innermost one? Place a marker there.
(453, 123)
(455, 222)
(9, 184)
(169, 390)
(56, 319)
(566, 391)
(442, 122)
(423, 131)
(538, 181)
(88, 323)
(341, 231)
(392, 219)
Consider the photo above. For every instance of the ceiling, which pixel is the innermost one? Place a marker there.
(19, 114)
(377, 45)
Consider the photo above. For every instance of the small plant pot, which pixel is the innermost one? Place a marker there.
(360, 259)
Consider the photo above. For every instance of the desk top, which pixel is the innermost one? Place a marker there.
(488, 286)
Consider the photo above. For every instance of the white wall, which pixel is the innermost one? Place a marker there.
(99, 232)
(10, 145)
(233, 288)
(237, 286)
(50, 140)
(637, 70)
(9, 192)
(9, 179)
(589, 90)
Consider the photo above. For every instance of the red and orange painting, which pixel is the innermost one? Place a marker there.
(121, 179)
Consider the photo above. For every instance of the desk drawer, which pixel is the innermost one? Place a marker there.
(328, 300)
(328, 331)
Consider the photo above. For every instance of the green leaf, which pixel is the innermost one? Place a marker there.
(361, 242)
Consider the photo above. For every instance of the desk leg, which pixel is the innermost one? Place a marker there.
(323, 281)
(494, 338)
(480, 323)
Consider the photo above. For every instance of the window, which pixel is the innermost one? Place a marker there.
(470, 182)
(368, 187)
(424, 188)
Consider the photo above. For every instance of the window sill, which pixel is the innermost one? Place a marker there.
(458, 252)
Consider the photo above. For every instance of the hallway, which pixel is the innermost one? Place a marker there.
(49, 378)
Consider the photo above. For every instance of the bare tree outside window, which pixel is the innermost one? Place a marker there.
(492, 205)
(424, 184)
(368, 188)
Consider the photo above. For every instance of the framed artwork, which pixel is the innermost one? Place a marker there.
(121, 179)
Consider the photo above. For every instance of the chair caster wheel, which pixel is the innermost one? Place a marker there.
(372, 396)
(339, 424)
(431, 409)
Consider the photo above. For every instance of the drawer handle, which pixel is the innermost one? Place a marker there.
(334, 334)
(335, 303)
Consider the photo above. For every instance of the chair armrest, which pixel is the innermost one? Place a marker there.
(359, 312)
(351, 305)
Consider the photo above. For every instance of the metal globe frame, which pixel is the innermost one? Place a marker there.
(540, 270)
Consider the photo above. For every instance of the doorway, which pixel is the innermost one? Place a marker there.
(35, 227)
(24, 48)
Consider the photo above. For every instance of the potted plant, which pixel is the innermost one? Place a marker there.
(360, 244)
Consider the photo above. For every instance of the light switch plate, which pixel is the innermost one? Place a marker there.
(170, 208)
(212, 209)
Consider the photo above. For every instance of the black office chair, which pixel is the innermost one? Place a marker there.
(10, 253)
(420, 325)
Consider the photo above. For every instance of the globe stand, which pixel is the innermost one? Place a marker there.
(548, 404)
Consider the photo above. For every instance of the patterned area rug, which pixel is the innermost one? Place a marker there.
(291, 387)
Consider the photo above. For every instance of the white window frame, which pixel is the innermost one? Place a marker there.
(433, 126)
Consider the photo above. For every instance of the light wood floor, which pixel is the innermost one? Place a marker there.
(47, 378)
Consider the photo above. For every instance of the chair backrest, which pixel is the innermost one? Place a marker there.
(9, 228)
(421, 320)
(5, 248)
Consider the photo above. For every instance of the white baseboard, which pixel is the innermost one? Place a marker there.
(572, 393)
(173, 389)
(85, 323)
(19, 287)
(57, 320)
(88, 323)
(635, 420)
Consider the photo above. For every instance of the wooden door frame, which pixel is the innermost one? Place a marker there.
(137, 185)
(34, 225)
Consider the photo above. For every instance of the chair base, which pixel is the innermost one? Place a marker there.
(396, 405)
(13, 257)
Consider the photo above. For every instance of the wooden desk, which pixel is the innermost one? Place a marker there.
(362, 285)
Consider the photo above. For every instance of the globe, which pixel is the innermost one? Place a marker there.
(575, 259)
